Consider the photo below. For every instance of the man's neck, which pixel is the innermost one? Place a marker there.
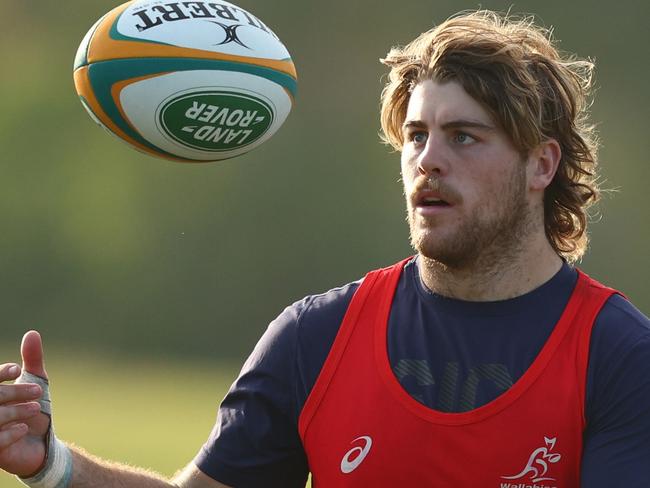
(493, 279)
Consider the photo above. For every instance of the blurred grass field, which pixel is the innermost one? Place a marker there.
(151, 413)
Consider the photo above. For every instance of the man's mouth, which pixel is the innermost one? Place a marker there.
(432, 202)
(430, 198)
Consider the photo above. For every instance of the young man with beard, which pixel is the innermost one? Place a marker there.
(485, 360)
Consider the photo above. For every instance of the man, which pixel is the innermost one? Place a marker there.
(486, 360)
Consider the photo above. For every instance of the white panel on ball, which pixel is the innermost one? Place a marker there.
(143, 103)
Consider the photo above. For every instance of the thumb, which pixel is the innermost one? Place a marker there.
(31, 350)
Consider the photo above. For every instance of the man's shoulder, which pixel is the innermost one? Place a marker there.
(619, 351)
(327, 309)
(619, 318)
(332, 301)
(618, 321)
(307, 327)
(317, 318)
(621, 332)
(316, 311)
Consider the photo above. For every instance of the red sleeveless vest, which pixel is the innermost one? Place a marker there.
(360, 428)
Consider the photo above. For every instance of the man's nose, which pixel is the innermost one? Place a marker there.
(433, 160)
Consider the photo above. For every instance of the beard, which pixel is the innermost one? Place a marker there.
(489, 235)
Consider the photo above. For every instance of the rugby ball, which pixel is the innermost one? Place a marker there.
(190, 81)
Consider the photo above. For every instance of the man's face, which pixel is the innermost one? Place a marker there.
(464, 181)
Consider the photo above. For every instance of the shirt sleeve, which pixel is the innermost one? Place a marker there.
(255, 442)
(617, 437)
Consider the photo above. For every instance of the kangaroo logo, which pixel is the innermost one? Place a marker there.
(231, 34)
(538, 463)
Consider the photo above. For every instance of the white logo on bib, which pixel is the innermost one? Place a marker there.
(538, 463)
(347, 465)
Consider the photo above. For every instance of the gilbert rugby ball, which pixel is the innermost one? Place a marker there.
(188, 81)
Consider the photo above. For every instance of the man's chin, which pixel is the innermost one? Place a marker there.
(433, 251)
(448, 252)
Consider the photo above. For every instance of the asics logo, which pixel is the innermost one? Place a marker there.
(358, 454)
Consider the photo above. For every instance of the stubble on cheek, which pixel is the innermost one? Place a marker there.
(484, 233)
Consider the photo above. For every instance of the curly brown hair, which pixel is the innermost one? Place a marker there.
(531, 90)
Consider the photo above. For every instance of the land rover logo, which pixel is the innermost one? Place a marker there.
(215, 120)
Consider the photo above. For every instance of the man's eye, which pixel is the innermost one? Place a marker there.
(419, 137)
(462, 138)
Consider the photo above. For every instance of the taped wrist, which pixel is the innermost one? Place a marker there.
(57, 471)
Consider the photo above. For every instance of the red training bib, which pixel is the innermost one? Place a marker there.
(360, 428)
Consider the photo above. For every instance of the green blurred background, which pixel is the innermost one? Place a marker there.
(176, 270)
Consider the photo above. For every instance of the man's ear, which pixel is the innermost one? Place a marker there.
(543, 162)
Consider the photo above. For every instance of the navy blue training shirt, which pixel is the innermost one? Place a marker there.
(451, 355)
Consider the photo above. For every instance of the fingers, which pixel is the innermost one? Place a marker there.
(12, 433)
(16, 393)
(9, 372)
(18, 413)
(19, 393)
(31, 350)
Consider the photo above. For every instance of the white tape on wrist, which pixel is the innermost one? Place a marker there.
(57, 471)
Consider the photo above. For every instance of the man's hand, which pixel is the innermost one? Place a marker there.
(22, 425)
(23, 430)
